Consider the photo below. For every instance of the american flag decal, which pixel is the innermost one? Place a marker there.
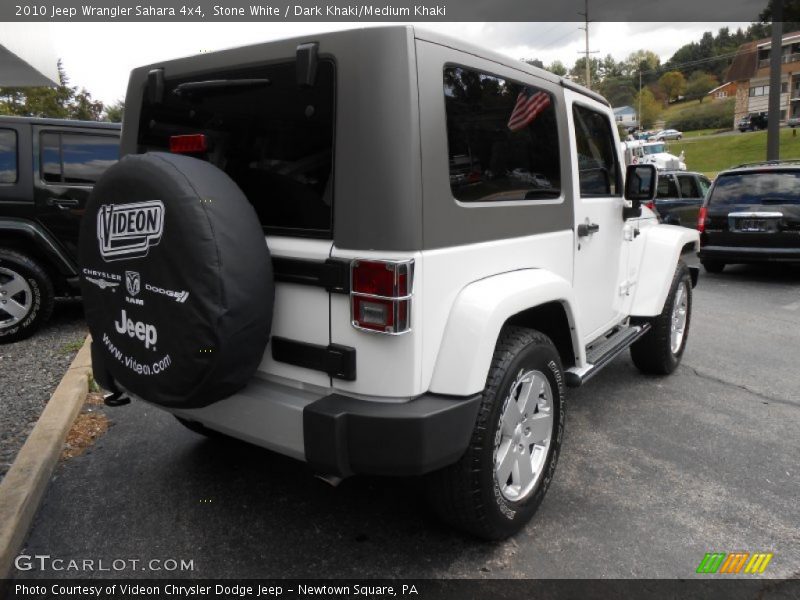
(529, 105)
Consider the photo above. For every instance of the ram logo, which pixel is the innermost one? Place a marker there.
(133, 282)
(128, 230)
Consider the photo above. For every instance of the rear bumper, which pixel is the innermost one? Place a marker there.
(341, 435)
(733, 254)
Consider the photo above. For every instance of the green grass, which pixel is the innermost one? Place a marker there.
(71, 347)
(699, 133)
(712, 154)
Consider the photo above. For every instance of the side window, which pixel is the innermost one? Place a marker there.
(502, 138)
(705, 184)
(597, 157)
(8, 156)
(667, 187)
(73, 158)
(689, 187)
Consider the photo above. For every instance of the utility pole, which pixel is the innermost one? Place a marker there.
(641, 127)
(585, 15)
(774, 117)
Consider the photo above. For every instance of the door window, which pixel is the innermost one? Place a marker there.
(597, 156)
(8, 156)
(74, 158)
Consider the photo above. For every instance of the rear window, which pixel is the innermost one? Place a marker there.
(667, 187)
(502, 138)
(766, 188)
(77, 159)
(8, 156)
(271, 135)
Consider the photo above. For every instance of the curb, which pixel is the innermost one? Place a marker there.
(24, 485)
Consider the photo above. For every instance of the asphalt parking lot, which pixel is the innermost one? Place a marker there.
(654, 473)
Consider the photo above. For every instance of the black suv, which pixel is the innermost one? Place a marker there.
(751, 214)
(47, 170)
(752, 122)
(680, 195)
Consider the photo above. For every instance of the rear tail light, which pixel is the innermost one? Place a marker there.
(188, 144)
(380, 296)
(701, 219)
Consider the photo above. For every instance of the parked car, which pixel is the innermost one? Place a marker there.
(668, 134)
(679, 197)
(395, 322)
(47, 169)
(752, 122)
(751, 215)
(793, 121)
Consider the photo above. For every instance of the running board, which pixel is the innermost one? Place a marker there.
(602, 351)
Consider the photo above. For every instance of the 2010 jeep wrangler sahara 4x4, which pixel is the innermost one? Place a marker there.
(378, 251)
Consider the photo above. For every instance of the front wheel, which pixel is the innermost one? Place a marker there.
(660, 350)
(496, 487)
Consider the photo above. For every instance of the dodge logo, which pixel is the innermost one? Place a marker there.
(133, 282)
(128, 230)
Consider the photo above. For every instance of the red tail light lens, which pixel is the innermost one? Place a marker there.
(380, 299)
(701, 219)
(188, 144)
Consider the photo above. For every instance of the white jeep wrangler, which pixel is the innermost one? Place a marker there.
(378, 251)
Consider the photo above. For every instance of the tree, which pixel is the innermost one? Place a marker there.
(699, 84)
(60, 102)
(650, 108)
(578, 71)
(673, 83)
(557, 68)
(115, 112)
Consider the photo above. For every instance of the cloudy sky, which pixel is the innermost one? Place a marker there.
(99, 56)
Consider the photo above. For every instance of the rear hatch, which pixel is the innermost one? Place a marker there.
(273, 134)
(755, 209)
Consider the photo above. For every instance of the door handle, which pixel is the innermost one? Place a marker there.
(62, 203)
(587, 228)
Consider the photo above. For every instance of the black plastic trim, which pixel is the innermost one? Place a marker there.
(345, 436)
(332, 274)
(44, 241)
(335, 360)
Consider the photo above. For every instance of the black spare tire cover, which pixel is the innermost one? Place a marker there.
(176, 280)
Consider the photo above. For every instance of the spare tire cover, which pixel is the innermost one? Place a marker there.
(176, 280)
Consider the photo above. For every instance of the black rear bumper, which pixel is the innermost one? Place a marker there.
(734, 254)
(345, 436)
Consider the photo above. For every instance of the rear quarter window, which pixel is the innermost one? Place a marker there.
(8, 156)
(502, 138)
(76, 159)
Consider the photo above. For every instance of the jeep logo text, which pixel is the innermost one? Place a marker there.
(128, 230)
(141, 331)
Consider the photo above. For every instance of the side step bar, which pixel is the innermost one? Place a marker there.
(602, 351)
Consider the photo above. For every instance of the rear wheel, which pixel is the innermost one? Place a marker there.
(496, 487)
(659, 352)
(26, 296)
(713, 266)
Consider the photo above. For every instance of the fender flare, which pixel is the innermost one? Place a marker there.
(45, 242)
(477, 316)
(663, 245)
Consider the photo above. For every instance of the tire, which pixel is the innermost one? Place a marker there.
(176, 280)
(26, 284)
(713, 266)
(468, 495)
(659, 352)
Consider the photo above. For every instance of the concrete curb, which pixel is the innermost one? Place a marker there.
(24, 485)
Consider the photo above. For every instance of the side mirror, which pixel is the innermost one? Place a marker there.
(641, 183)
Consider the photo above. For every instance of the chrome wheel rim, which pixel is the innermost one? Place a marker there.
(523, 436)
(16, 298)
(680, 310)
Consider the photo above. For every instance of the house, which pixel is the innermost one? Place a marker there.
(750, 72)
(625, 116)
(724, 91)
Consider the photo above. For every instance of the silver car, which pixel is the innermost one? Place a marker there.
(668, 134)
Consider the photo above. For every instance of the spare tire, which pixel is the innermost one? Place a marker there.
(176, 279)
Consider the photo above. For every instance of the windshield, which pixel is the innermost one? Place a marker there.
(775, 187)
(655, 149)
